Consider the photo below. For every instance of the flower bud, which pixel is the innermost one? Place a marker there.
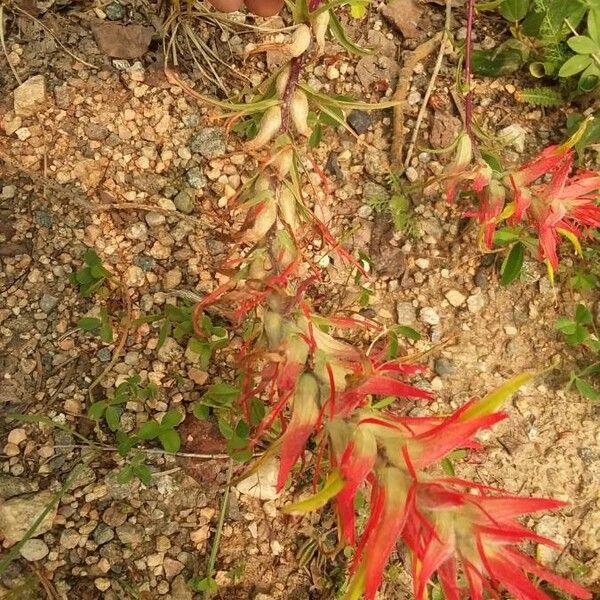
(300, 41)
(287, 208)
(299, 112)
(282, 81)
(269, 126)
(263, 222)
(320, 26)
(273, 329)
(282, 163)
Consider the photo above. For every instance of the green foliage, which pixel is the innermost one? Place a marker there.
(136, 467)
(221, 402)
(540, 96)
(164, 431)
(564, 42)
(100, 326)
(92, 277)
(512, 264)
(581, 331)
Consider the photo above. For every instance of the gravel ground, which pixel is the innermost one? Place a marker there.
(118, 160)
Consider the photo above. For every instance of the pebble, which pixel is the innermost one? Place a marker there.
(411, 174)
(443, 367)
(406, 313)
(480, 279)
(103, 534)
(159, 251)
(8, 192)
(184, 202)
(455, 298)
(172, 279)
(104, 355)
(138, 231)
(102, 583)
(414, 98)
(48, 303)
(332, 72)
(429, 316)
(130, 534)
(146, 263)
(115, 11)
(422, 263)
(16, 436)
(19, 513)
(172, 568)
(209, 142)
(29, 97)
(15, 486)
(359, 120)
(155, 219)
(475, 303)
(70, 539)
(34, 549)
(365, 211)
(134, 276)
(196, 179)
(510, 330)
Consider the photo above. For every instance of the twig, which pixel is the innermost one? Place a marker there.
(434, 74)
(468, 60)
(418, 54)
(109, 448)
(210, 567)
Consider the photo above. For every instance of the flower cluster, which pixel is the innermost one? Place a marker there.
(542, 194)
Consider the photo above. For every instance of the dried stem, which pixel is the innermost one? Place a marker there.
(468, 61)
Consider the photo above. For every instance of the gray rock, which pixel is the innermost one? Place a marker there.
(104, 355)
(359, 120)
(103, 534)
(332, 166)
(406, 313)
(18, 514)
(195, 178)
(33, 550)
(429, 316)
(146, 263)
(43, 218)
(183, 201)
(86, 476)
(70, 539)
(97, 132)
(374, 192)
(115, 11)
(48, 302)
(480, 279)
(191, 120)
(11, 486)
(170, 350)
(443, 367)
(209, 142)
(180, 589)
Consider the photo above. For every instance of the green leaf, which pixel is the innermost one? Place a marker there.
(589, 79)
(84, 276)
(208, 584)
(125, 443)
(503, 60)
(565, 326)
(583, 45)
(384, 402)
(358, 9)
(242, 430)
(448, 467)
(220, 395)
(225, 428)
(88, 323)
(540, 96)
(575, 65)
(143, 473)
(338, 31)
(125, 475)
(96, 410)
(583, 281)
(106, 332)
(492, 161)
(332, 487)
(91, 258)
(506, 235)
(593, 24)
(170, 440)
(407, 332)
(240, 455)
(257, 411)
(315, 137)
(163, 334)
(583, 314)
(200, 411)
(586, 390)
(171, 419)
(514, 10)
(149, 430)
(512, 264)
(112, 417)
(99, 272)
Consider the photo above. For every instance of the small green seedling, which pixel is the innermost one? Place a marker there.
(110, 409)
(136, 467)
(220, 401)
(92, 277)
(100, 326)
(581, 331)
(164, 431)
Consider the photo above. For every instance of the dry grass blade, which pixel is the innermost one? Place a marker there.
(3, 43)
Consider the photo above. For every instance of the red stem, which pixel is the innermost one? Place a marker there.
(468, 61)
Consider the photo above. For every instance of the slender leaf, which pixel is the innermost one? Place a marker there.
(513, 263)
